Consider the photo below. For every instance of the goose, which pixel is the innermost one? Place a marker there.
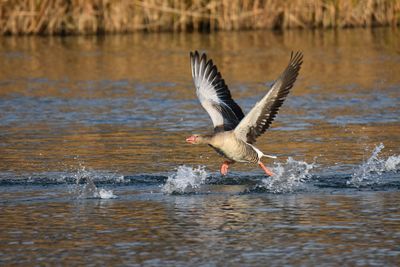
(235, 134)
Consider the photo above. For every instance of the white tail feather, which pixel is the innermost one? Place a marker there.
(261, 154)
(269, 156)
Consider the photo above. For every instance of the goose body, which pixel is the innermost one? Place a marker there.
(235, 134)
(233, 149)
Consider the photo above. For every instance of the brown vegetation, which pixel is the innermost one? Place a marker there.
(119, 16)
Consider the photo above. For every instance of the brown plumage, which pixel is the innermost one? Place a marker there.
(235, 134)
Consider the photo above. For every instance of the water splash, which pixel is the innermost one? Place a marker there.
(370, 172)
(289, 176)
(393, 163)
(105, 194)
(88, 189)
(185, 180)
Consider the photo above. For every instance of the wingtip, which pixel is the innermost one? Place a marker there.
(199, 55)
(194, 54)
(296, 59)
(203, 57)
(296, 56)
(296, 53)
(199, 62)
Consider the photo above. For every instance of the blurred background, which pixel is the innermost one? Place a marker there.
(123, 16)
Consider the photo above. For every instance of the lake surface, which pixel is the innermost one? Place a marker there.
(94, 168)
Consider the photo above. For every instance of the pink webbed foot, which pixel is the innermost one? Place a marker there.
(224, 168)
(267, 171)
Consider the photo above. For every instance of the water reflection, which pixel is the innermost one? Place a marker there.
(217, 229)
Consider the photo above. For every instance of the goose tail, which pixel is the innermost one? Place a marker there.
(269, 156)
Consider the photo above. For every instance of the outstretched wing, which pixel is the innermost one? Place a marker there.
(263, 113)
(214, 94)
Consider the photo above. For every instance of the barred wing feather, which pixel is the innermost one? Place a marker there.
(260, 117)
(214, 94)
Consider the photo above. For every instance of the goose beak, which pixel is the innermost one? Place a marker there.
(191, 139)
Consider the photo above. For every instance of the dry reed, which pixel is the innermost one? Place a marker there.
(120, 16)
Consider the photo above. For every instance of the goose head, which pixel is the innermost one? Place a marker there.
(197, 139)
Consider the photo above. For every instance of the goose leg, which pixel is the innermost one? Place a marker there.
(224, 167)
(267, 171)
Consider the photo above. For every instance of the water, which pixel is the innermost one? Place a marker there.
(94, 168)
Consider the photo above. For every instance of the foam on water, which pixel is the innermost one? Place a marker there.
(370, 172)
(289, 176)
(185, 180)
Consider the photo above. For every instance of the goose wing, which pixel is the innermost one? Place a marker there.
(263, 113)
(214, 94)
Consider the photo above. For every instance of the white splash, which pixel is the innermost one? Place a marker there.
(392, 163)
(105, 194)
(89, 189)
(370, 172)
(185, 180)
(289, 176)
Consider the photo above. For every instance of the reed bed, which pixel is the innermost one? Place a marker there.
(122, 16)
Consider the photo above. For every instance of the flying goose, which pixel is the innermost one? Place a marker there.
(235, 134)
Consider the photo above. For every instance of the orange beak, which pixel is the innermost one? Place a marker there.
(191, 139)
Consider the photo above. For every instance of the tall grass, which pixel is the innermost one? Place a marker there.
(116, 16)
